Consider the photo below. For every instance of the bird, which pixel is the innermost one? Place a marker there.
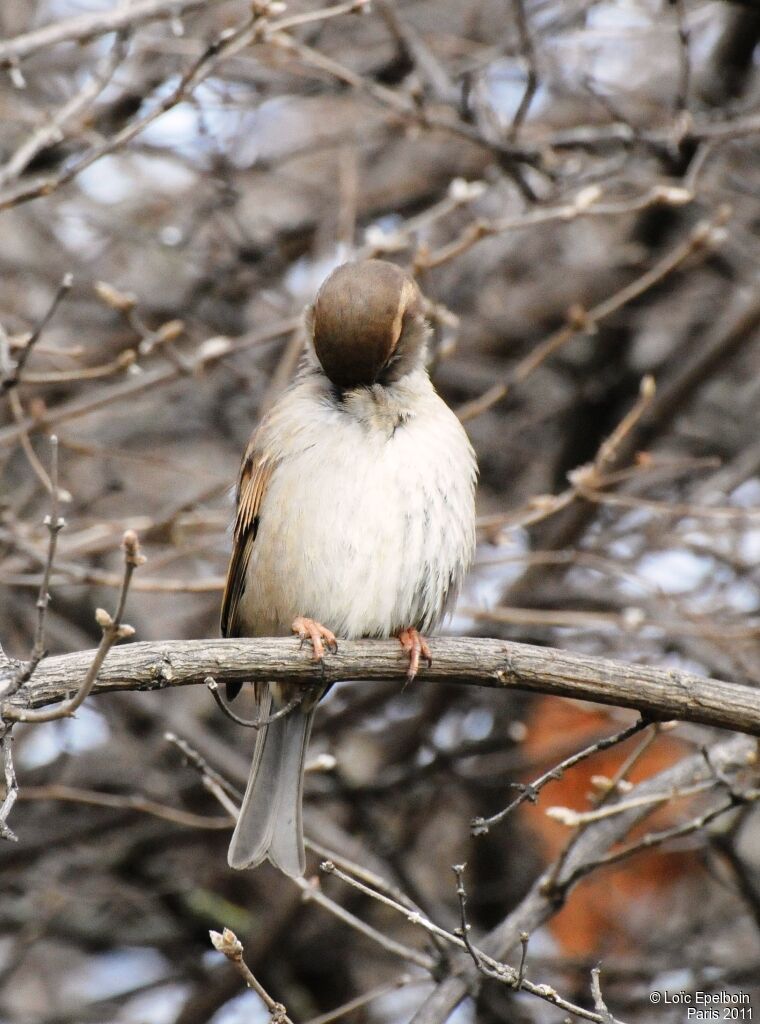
(355, 517)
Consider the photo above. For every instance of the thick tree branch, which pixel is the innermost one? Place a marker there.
(655, 692)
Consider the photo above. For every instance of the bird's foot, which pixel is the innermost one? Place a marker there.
(317, 633)
(415, 647)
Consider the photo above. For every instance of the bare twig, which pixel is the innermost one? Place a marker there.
(339, 862)
(653, 839)
(367, 997)
(130, 802)
(684, 58)
(580, 321)
(415, 917)
(118, 364)
(66, 573)
(228, 943)
(67, 282)
(524, 940)
(230, 42)
(52, 131)
(413, 45)
(312, 892)
(93, 24)
(588, 202)
(550, 891)
(464, 928)
(17, 411)
(574, 819)
(667, 508)
(11, 786)
(209, 353)
(480, 826)
(586, 476)
(615, 784)
(225, 793)
(529, 53)
(613, 788)
(486, 965)
(258, 723)
(164, 336)
(606, 455)
(403, 106)
(113, 630)
(596, 991)
(54, 523)
(657, 137)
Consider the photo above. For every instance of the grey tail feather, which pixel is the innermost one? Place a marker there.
(270, 820)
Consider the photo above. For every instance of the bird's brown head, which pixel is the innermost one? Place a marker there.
(367, 324)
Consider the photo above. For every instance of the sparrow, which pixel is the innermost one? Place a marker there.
(355, 518)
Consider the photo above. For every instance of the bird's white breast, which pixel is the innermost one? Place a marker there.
(368, 522)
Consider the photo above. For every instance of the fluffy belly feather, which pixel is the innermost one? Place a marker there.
(378, 531)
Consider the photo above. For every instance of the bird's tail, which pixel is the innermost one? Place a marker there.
(269, 823)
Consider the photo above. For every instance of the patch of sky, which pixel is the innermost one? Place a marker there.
(105, 975)
(477, 724)
(116, 179)
(741, 596)
(747, 494)
(243, 1009)
(260, 133)
(454, 727)
(306, 274)
(158, 1006)
(496, 568)
(424, 756)
(383, 227)
(748, 547)
(55, 9)
(75, 231)
(681, 663)
(402, 1003)
(179, 128)
(218, 118)
(46, 742)
(673, 571)
(401, 709)
(608, 48)
(673, 981)
(446, 732)
(109, 180)
(621, 15)
(506, 82)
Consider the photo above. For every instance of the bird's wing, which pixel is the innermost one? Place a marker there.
(255, 474)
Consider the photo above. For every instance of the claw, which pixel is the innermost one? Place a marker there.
(415, 646)
(320, 636)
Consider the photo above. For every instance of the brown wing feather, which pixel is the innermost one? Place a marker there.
(255, 474)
